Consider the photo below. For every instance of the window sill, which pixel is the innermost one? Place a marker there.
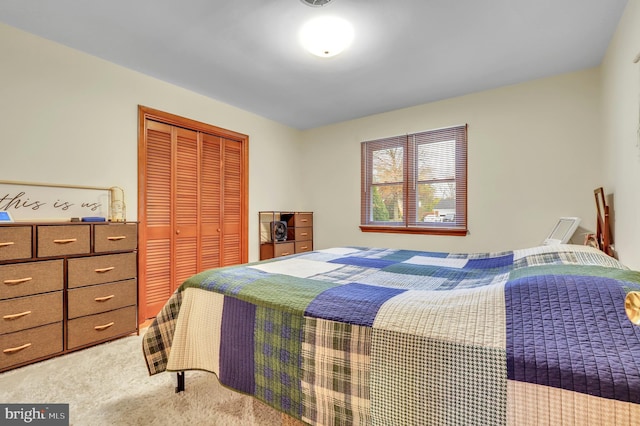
(456, 232)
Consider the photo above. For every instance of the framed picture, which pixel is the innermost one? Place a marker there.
(5, 217)
(35, 202)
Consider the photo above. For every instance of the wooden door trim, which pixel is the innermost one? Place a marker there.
(146, 113)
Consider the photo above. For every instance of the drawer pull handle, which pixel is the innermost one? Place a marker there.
(304, 220)
(17, 348)
(285, 254)
(103, 327)
(18, 281)
(15, 316)
(103, 270)
(304, 234)
(105, 298)
(66, 241)
(304, 247)
(8, 243)
(118, 238)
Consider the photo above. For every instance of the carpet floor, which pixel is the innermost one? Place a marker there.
(109, 385)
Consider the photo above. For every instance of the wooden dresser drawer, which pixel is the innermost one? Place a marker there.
(15, 242)
(284, 249)
(23, 279)
(101, 269)
(61, 240)
(31, 344)
(101, 298)
(303, 234)
(65, 286)
(94, 328)
(31, 311)
(115, 237)
(303, 219)
(303, 246)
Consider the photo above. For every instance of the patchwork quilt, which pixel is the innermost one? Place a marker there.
(374, 336)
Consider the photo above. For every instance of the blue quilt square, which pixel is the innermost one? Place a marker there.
(571, 332)
(351, 303)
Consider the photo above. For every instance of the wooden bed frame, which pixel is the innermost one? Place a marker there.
(603, 231)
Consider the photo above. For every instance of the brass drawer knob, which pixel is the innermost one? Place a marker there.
(632, 306)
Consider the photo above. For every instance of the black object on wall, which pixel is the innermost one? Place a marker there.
(279, 230)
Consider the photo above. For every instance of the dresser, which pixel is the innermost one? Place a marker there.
(64, 287)
(297, 236)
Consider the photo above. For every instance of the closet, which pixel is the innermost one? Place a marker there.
(192, 203)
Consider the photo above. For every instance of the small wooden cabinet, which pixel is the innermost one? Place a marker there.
(297, 238)
(64, 287)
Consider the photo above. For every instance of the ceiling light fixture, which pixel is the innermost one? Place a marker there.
(326, 36)
(315, 3)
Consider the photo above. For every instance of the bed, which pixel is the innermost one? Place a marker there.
(356, 335)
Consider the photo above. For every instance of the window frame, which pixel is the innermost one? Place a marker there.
(410, 143)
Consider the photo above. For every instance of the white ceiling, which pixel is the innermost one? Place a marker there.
(406, 52)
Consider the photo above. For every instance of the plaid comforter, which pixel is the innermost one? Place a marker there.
(398, 337)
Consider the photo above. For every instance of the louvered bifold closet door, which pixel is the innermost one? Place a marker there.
(210, 201)
(193, 214)
(187, 172)
(155, 268)
(232, 205)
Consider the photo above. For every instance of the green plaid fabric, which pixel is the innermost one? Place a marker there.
(277, 359)
(548, 255)
(578, 270)
(335, 378)
(157, 341)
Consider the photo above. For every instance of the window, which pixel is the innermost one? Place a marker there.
(416, 183)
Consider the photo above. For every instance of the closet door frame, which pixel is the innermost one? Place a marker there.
(146, 113)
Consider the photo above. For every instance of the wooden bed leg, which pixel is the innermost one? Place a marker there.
(180, 378)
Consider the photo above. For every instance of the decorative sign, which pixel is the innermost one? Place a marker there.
(33, 202)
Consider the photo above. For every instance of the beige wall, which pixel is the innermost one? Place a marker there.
(620, 150)
(70, 118)
(533, 157)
